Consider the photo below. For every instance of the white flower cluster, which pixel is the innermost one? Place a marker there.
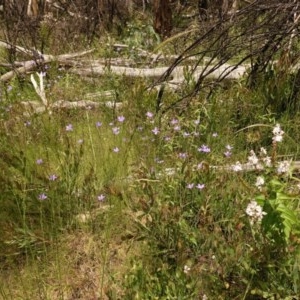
(260, 181)
(283, 167)
(253, 159)
(277, 134)
(265, 158)
(261, 161)
(255, 212)
(237, 167)
(186, 269)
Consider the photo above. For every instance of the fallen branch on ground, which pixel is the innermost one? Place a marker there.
(35, 107)
(41, 59)
(247, 167)
(99, 67)
(211, 69)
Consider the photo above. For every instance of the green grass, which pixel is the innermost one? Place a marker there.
(171, 226)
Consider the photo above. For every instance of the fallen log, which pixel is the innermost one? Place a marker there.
(177, 77)
(39, 59)
(35, 107)
(98, 68)
(246, 167)
(211, 69)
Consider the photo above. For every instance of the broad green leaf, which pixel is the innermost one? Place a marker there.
(260, 199)
(287, 213)
(283, 196)
(276, 185)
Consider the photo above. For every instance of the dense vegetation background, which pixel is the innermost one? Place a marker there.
(149, 149)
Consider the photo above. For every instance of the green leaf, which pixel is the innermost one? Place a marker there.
(260, 199)
(283, 196)
(276, 185)
(287, 214)
(287, 230)
(289, 219)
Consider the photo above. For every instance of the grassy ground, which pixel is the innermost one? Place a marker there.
(126, 204)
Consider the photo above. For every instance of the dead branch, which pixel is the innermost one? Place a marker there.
(39, 59)
(246, 167)
(259, 32)
(177, 74)
(27, 67)
(36, 107)
(154, 57)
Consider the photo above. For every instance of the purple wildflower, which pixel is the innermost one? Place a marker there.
(182, 155)
(121, 119)
(200, 166)
(42, 196)
(101, 198)
(52, 177)
(98, 124)
(116, 130)
(204, 148)
(227, 153)
(190, 186)
(149, 115)
(155, 131)
(39, 161)
(69, 127)
(200, 186)
(116, 150)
